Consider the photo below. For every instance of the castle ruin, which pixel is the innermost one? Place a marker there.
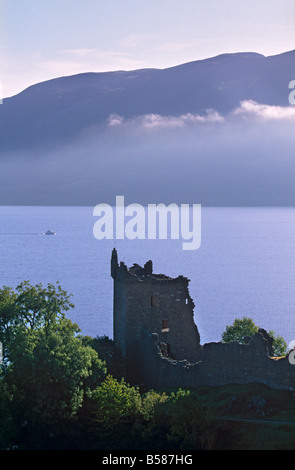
(153, 326)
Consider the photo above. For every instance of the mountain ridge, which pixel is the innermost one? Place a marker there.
(147, 69)
(219, 83)
(161, 145)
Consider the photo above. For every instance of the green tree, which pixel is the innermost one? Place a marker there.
(191, 424)
(7, 425)
(115, 401)
(239, 330)
(246, 328)
(113, 357)
(177, 421)
(149, 403)
(110, 415)
(47, 368)
(279, 345)
(29, 309)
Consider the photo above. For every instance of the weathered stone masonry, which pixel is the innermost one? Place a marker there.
(154, 328)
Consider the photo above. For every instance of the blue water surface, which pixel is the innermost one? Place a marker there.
(244, 267)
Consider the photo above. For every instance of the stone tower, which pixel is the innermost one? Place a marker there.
(155, 303)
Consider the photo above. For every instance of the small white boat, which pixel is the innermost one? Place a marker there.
(50, 232)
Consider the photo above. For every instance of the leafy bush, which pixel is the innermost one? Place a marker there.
(246, 328)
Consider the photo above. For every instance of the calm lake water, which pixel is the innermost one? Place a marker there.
(244, 267)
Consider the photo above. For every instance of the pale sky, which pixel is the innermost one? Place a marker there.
(44, 39)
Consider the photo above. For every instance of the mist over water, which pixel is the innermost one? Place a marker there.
(245, 158)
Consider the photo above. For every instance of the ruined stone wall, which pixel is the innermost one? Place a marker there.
(158, 371)
(158, 304)
(155, 330)
(221, 364)
(119, 325)
(163, 307)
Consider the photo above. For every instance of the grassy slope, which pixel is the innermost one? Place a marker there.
(244, 425)
(242, 402)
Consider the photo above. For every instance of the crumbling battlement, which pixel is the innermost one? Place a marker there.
(155, 330)
(159, 304)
